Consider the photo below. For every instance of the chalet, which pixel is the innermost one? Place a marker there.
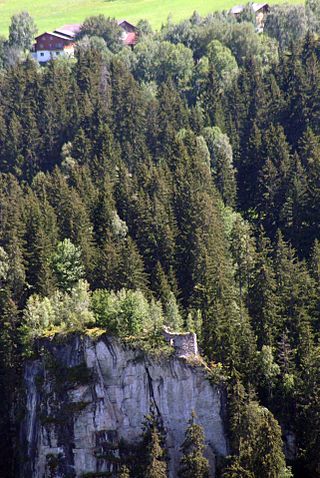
(130, 33)
(260, 10)
(61, 42)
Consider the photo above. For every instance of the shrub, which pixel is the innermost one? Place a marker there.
(126, 312)
(62, 311)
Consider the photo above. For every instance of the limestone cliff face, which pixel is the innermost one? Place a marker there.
(85, 398)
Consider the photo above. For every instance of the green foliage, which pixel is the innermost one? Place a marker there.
(269, 369)
(258, 445)
(313, 15)
(287, 23)
(185, 175)
(4, 265)
(224, 62)
(126, 312)
(193, 463)
(124, 472)
(221, 157)
(173, 317)
(22, 31)
(106, 28)
(159, 61)
(67, 265)
(62, 312)
(156, 467)
(153, 446)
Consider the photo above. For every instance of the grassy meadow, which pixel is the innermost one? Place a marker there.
(49, 15)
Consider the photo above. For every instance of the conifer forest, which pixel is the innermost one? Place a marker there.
(173, 184)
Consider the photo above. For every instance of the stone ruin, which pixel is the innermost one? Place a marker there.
(185, 343)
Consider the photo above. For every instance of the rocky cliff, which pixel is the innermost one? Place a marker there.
(86, 401)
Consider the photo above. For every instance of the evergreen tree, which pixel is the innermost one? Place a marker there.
(263, 303)
(193, 463)
(274, 178)
(222, 163)
(153, 448)
(41, 238)
(10, 377)
(156, 467)
(67, 265)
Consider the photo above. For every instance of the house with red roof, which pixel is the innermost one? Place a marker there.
(130, 33)
(61, 42)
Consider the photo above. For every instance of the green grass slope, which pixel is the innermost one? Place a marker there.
(49, 15)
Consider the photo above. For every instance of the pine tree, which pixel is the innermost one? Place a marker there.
(260, 445)
(274, 180)
(131, 270)
(67, 265)
(221, 162)
(263, 303)
(308, 394)
(294, 289)
(156, 467)
(154, 459)
(41, 239)
(234, 470)
(309, 153)
(193, 464)
(160, 284)
(10, 377)
(243, 253)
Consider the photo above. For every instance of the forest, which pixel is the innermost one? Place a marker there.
(177, 183)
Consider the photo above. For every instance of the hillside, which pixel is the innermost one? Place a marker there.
(165, 198)
(72, 11)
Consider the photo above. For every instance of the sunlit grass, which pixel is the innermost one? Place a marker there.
(50, 15)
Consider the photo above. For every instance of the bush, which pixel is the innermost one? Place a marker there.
(61, 312)
(126, 312)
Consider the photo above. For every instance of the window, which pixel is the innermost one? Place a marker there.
(41, 54)
(57, 53)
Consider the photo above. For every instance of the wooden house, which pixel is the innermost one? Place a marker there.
(61, 42)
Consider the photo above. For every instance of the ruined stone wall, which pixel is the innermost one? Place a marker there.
(185, 344)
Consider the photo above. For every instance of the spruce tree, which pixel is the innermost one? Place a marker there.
(153, 448)
(263, 303)
(193, 464)
(67, 265)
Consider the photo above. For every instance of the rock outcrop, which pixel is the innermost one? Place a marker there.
(86, 401)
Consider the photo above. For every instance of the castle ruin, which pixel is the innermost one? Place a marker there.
(185, 343)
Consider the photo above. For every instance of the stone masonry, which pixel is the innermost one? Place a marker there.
(185, 344)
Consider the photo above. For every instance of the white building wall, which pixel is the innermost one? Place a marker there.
(43, 56)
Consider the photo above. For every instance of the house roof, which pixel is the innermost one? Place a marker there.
(70, 30)
(56, 35)
(255, 7)
(258, 6)
(120, 22)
